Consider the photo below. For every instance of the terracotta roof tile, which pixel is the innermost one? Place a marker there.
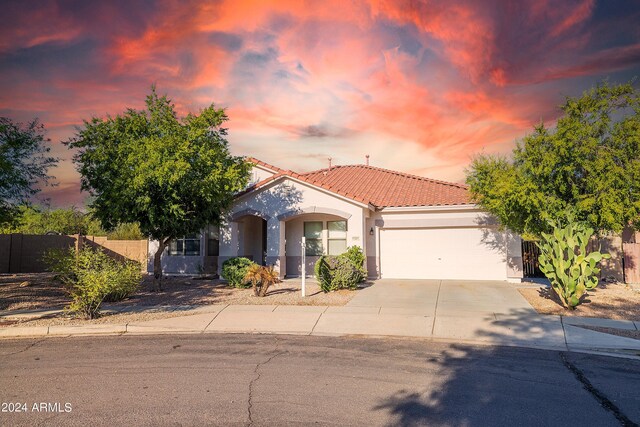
(266, 165)
(377, 186)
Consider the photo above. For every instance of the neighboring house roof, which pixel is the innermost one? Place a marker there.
(376, 186)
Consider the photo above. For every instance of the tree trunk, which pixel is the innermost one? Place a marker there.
(157, 265)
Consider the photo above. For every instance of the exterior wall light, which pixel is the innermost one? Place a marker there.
(371, 231)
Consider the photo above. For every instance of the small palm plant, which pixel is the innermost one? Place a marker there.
(254, 276)
(261, 278)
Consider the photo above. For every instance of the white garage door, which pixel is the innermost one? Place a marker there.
(441, 253)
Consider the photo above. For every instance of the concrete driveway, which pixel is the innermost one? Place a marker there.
(442, 298)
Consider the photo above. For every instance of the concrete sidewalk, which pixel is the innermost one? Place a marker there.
(473, 312)
(517, 327)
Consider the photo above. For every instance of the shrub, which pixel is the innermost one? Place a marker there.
(345, 275)
(61, 262)
(92, 277)
(566, 262)
(126, 231)
(355, 255)
(336, 272)
(261, 278)
(322, 271)
(127, 283)
(234, 271)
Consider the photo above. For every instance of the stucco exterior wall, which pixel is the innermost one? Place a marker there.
(279, 204)
(259, 173)
(178, 264)
(293, 235)
(250, 238)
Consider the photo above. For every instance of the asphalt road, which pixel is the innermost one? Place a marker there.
(285, 380)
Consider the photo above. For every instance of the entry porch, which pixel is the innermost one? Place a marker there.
(277, 241)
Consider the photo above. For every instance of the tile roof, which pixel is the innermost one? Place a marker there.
(264, 164)
(376, 186)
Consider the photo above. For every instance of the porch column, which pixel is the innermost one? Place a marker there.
(228, 242)
(356, 225)
(275, 246)
(513, 251)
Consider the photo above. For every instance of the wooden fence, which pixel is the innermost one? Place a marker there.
(631, 262)
(23, 253)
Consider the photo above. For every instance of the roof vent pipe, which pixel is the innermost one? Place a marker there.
(367, 156)
(329, 163)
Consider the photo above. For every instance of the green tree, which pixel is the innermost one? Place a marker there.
(40, 220)
(588, 165)
(24, 162)
(171, 176)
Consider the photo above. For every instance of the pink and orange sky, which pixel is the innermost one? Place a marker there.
(420, 86)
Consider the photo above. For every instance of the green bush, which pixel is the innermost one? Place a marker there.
(126, 231)
(337, 272)
(92, 277)
(345, 275)
(234, 271)
(61, 262)
(127, 283)
(355, 255)
(322, 271)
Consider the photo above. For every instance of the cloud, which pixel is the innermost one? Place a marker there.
(419, 85)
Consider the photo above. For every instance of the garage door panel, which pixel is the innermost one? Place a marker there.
(442, 253)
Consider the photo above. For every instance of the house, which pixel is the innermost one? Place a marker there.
(409, 227)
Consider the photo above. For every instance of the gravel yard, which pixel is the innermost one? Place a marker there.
(609, 301)
(27, 291)
(41, 291)
(195, 291)
(626, 333)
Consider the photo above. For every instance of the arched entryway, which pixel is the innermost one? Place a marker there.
(324, 234)
(252, 238)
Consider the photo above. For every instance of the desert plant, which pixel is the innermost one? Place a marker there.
(253, 275)
(127, 282)
(261, 278)
(336, 272)
(234, 271)
(345, 275)
(61, 262)
(355, 255)
(126, 231)
(322, 270)
(565, 260)
(92, 277)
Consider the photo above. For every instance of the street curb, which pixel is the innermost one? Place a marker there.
(61, 331)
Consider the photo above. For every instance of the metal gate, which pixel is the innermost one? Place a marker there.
(530, 264)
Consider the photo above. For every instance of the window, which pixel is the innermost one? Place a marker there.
(337, 242)
(313, 237)
(186, 246)
(213, 241)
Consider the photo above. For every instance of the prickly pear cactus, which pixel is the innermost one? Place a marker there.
(566, 263)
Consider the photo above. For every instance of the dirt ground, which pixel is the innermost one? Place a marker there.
(609, 301)
(41, 291)
(194, 291)
(30, 291)
(615, 331)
